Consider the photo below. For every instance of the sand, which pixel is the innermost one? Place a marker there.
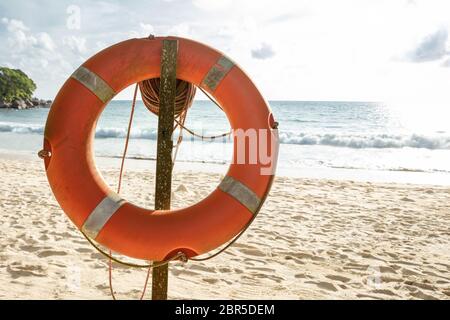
(314, 239)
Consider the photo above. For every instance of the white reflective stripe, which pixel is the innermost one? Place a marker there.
(241, 193)
(217, 73)
(101, 214)
(93, 82)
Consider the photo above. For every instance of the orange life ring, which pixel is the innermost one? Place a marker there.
(102, 214)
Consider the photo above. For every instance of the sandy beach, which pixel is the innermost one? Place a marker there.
(314, 239)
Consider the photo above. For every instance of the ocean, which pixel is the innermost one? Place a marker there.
(356, 140)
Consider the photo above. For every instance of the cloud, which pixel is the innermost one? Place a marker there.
(208, 5)
(35, 53)
(20, 38)
(432, 47)
(145, 29)
(446, 63)
(45, 41)
(13, 25)
(320, 36)
(181, 30)
(264, 51)
(282, 18)
(76, 44)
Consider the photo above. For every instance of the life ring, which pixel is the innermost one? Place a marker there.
(112, 221)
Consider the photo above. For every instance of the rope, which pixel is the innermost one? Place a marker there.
(184, 98)
(145, 284)
(211, 98)
(150, 96)
(179, 256)
(185, 92)
(119, 185)
(180, 136)
(125, 149)
(233, 241)
(111, 258)
(202, 136)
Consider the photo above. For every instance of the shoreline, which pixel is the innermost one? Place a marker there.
(25, 104)
(336, 174)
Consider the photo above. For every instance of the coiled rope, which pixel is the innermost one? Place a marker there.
(185, 93)
(184, 97)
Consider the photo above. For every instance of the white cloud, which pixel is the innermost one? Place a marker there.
(147, 28)
(13, 25)
(144, 30)
(216, 5)
(264, 51)
(76, 44)
(446, 63)
(181, 30)
(35, 53)
(20, 38)
(318, 49)
(45, 41)
(433, 47)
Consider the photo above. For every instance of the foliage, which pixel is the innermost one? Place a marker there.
(15, 85)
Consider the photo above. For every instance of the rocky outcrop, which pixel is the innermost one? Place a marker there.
(26, 104)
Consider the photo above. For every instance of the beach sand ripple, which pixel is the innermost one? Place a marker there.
(314, 239)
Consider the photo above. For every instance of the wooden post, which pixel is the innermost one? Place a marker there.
(163, 182)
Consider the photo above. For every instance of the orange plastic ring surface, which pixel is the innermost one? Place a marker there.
(95, 208)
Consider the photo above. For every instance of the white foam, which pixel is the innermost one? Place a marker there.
(367, 141)
(355, 141)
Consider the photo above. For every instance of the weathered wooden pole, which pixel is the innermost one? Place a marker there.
(163, 182)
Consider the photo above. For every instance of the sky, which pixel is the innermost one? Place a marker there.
(394, 51)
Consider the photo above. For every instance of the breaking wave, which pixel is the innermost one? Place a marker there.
(356, 141)
(367, 141)
(19, 128)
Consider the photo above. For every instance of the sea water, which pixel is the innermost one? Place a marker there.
(325, 139)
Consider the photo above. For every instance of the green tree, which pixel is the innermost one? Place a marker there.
(15, 85)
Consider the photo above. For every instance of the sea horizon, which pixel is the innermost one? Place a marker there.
(356, 140)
